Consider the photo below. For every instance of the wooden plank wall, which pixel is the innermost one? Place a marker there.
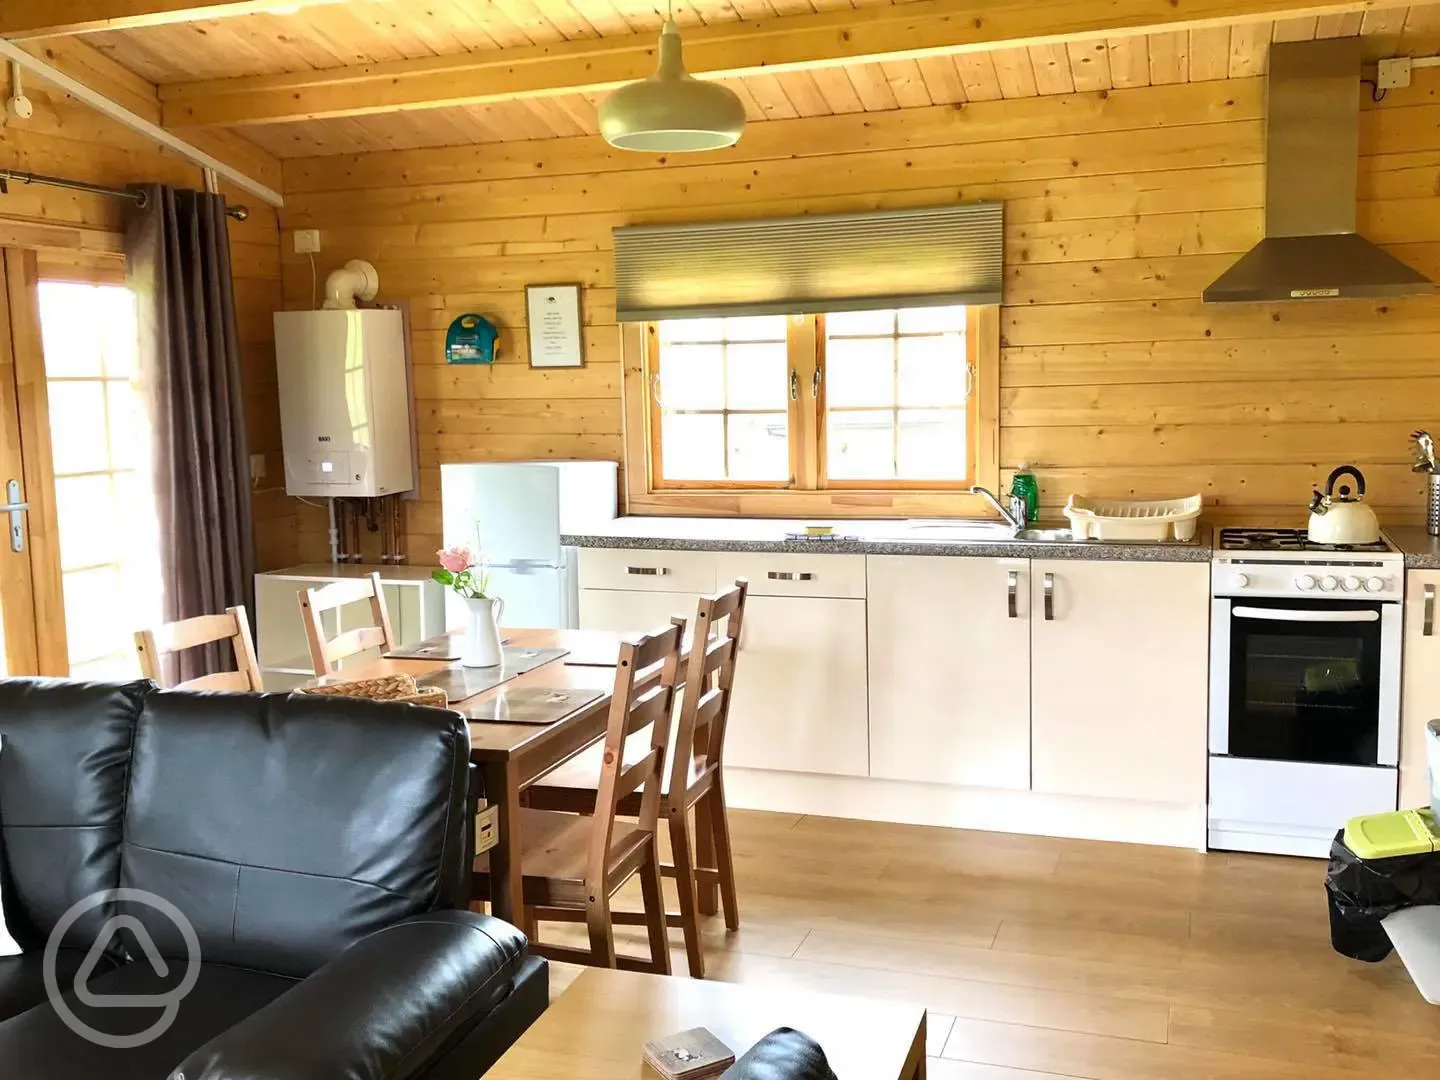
(80, 235)
(1120, 208)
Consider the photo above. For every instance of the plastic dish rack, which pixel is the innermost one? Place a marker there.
(1114, 519)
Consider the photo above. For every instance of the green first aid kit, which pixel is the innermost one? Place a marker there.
(1399, 832)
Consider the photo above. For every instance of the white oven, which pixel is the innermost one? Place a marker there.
(1304, 697)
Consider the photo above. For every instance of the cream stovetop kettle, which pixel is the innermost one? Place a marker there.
(1338, 517)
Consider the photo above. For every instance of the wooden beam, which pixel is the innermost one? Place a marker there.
(723, 50)
(17, 54)
(51, 18)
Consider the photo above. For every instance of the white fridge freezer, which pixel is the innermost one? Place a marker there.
(515, 513)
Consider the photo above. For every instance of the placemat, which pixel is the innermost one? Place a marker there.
(441, 647)
(532, 705)
(460, 682)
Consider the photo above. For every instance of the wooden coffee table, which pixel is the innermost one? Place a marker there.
(597, 1027)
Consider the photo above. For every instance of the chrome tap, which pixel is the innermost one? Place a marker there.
(1014, 515)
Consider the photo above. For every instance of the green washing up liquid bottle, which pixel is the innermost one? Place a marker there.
(1027, 487)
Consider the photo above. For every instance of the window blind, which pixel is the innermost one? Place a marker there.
(813, 263)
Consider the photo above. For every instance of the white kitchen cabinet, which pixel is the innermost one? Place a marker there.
(1119, 679)
(799, 701)
(950, 670)
(1420, 686)
(626, 609)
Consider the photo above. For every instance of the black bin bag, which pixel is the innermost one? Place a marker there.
(1361, 892)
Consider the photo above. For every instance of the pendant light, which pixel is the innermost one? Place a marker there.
(671, 110)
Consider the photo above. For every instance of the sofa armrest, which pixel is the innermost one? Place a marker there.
(382, 1010)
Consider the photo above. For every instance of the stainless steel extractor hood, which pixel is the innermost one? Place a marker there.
(1311, 250)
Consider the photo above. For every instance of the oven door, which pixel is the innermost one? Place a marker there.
(1306, 680)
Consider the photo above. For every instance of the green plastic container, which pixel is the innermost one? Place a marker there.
(1025, 486)
(1400, 832)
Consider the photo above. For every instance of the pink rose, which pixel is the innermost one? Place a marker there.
(456, 559)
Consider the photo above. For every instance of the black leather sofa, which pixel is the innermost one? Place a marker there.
(319, 848)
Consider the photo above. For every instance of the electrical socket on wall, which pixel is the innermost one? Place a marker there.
(257, 466)
(307, 241)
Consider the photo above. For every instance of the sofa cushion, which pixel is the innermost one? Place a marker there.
(62, 799)
(39, 1044)
(288, 828)
(22, 982)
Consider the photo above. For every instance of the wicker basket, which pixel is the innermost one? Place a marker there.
(387, 688)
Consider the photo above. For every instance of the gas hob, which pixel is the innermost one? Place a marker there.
(1288, 540)
(1283, 562)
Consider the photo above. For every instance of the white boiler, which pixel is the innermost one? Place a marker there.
(344, 402)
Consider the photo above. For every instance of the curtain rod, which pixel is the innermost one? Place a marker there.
(138, 197)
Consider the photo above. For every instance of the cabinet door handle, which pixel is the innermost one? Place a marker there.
(1049, 588)
(648, 571)
(1012, 579)
(790, 575)
(1429, 628)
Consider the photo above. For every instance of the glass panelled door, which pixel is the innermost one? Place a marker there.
(105, 505)
(32, 623)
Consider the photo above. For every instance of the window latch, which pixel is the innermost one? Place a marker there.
(815, 384)
(794, 385)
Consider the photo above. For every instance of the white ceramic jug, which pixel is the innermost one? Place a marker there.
(482, 637)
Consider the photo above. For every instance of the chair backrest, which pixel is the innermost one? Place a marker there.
(644, 695)
(315, 602)
(153, 645)
(709, 676)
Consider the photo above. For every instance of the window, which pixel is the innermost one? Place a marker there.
(719, 393)
(109, 540)
(879, 401)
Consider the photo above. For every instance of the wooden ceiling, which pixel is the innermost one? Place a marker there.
(371, 31)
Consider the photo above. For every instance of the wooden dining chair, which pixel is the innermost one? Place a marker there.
(573, 864)
(325, 655)
(234, 626)
(695, 779)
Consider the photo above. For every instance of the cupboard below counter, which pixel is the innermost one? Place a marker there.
(1062, 696)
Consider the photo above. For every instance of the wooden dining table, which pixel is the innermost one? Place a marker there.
(512, 756)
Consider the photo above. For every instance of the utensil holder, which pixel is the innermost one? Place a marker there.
(1432, 505)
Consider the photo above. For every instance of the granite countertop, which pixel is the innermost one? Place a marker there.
(866, 537)
(1422, 551)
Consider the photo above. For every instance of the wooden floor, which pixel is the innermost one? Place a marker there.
(1040, 958)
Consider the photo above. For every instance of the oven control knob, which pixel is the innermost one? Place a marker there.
(1374, 584)
(1351, 584)
(1305, 582)
(1242, 580)
(1328, 583)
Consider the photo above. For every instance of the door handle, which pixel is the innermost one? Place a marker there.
(1048, 585)
(15, 507)
(648, 571)
(1429, 628)
(1012, 579)
(790, 575)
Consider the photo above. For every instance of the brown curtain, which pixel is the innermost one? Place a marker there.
(178, 254)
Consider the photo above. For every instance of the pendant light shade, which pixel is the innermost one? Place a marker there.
(671, 110)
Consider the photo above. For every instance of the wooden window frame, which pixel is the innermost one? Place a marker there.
(809, 493)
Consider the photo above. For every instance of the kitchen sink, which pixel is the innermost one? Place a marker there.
(957, 529)
(1045, 536)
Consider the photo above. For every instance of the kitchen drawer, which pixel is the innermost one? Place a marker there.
(785, 574)
(640, 570)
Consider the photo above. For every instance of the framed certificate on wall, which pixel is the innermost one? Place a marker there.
(553, 315)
